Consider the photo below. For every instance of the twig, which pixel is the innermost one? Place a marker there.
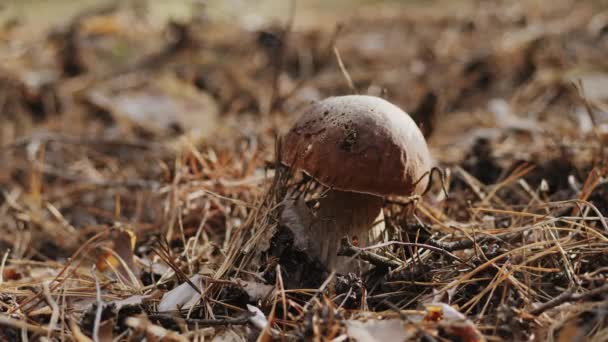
(349, 80)
(281, 288)
(55, 308)
(320, 290)
(2, 264)
(419, 245)
(99, 306)
(242, 319)
(434, 170)
(164, 253)
(569, 296)
(59, 279)
(407, 201)
(350, 290)
(454, 245)
(347, 249)
(15, 323)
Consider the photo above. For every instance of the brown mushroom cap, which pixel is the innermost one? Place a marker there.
(361, 144)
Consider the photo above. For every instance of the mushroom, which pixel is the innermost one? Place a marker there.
(363, 148)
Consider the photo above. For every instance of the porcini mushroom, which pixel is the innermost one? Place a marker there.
(362, 148)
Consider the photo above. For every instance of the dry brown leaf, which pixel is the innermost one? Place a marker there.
(120, 256)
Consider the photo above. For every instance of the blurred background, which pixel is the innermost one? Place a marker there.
(442, 56)
(246, 12)
(467, 71)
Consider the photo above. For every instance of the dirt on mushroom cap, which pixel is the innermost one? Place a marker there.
(361, 144)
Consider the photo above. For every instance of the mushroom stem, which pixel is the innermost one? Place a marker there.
(356, 215)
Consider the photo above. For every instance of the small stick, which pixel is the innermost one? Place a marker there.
(242, 319)
(58, 278)
(349, 80)
(15, 323)
(99, 311)
(347, 249)
(2, 265)
(55, 309)
(454, 245)
(419, 245)
(568, 296)
(320, 290)
(282, 291)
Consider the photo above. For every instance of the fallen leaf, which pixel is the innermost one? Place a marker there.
(154, 267)
(378, 330)
(255, 290)
(181, 297)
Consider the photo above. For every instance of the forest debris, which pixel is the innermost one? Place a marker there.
(569, 296)
(257, 319)
(454, 323)
(152, 331)
(347, 249)
(129, 301)
(379, 330)
(162, 108)
(182, 296)
(294, 216)
(256, 290)
(120, 257)
(6, 320)
(154, 267)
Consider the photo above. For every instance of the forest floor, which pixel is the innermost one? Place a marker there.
(141, 193)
